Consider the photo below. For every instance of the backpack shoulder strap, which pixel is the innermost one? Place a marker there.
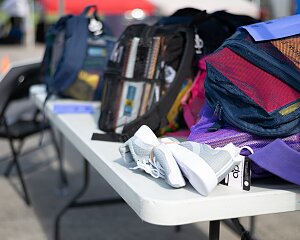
(110, 136)
(76, 41)
(51, 35)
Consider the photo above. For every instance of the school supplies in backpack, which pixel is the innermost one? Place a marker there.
(76, 54)
(194, 99)
(147, 69)
(254, 85)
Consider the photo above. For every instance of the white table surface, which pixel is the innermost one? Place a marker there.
(153, 200)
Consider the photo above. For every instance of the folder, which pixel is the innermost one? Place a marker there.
(131, 92)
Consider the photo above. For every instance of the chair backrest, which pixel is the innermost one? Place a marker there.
(16, 82)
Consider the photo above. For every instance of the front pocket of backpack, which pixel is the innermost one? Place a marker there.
(110, 101)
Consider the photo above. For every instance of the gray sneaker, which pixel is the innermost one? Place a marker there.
(151, 156)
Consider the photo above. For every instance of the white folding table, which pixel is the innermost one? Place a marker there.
(152, 199)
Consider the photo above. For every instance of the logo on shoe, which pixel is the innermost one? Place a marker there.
(236, 171)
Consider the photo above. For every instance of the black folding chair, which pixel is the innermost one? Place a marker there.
(15, 85)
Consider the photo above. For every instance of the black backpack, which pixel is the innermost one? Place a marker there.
(146, 71)
(195, 34)
(211, 29)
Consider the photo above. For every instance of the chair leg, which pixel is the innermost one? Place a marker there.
(9, 168)
(12, 163)
(20, 174)
(59, 148)
(15, 161)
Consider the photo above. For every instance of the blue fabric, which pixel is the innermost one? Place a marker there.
(72, 108)
(76, 39)
(66, 55)
(236, 108)
(275, 29)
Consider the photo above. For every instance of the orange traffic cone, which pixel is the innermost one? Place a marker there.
(5, 64)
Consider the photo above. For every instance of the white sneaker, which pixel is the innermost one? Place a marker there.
(152, 157)
(221, 159)
(143, 140)
(194, 168)
(147, 135)
(166, 161)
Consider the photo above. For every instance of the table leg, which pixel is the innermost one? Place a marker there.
(75, 204)
(214, 230)
(177, 228)
(59, 148)
(252, 228)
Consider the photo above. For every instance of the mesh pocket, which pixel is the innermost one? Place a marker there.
(290, 47)
(279, 57)
(264, 89)
(109, 107)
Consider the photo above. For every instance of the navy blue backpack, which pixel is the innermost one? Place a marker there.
(77, 51)
(255, 86)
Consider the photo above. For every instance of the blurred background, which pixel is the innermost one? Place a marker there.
(26, 21)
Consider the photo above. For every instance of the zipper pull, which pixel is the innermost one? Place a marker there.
(218, 111)
(199, 44)
(219, 123)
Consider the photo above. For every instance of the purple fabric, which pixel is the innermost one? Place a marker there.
(199, 133)
(279, 159)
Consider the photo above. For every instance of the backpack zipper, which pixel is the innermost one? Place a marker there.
(218, 111)
(219, 123)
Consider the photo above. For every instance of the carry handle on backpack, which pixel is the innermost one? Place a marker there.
(79, 43)
(88, 8)
(94, 15)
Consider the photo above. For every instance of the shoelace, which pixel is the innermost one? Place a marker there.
(150, 166)
(154, 169)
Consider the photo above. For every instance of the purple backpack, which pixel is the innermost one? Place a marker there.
(200, 133)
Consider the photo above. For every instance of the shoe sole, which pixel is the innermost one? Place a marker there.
(165, 158)
(200, 175)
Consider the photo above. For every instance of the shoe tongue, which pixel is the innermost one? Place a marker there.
(231, 149)
(168, 140)
(145, 134)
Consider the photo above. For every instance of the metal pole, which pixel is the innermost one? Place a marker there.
(61, 7)
(29, 25)
(214, 230)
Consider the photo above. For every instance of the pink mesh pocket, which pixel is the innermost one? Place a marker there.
(266, 90)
